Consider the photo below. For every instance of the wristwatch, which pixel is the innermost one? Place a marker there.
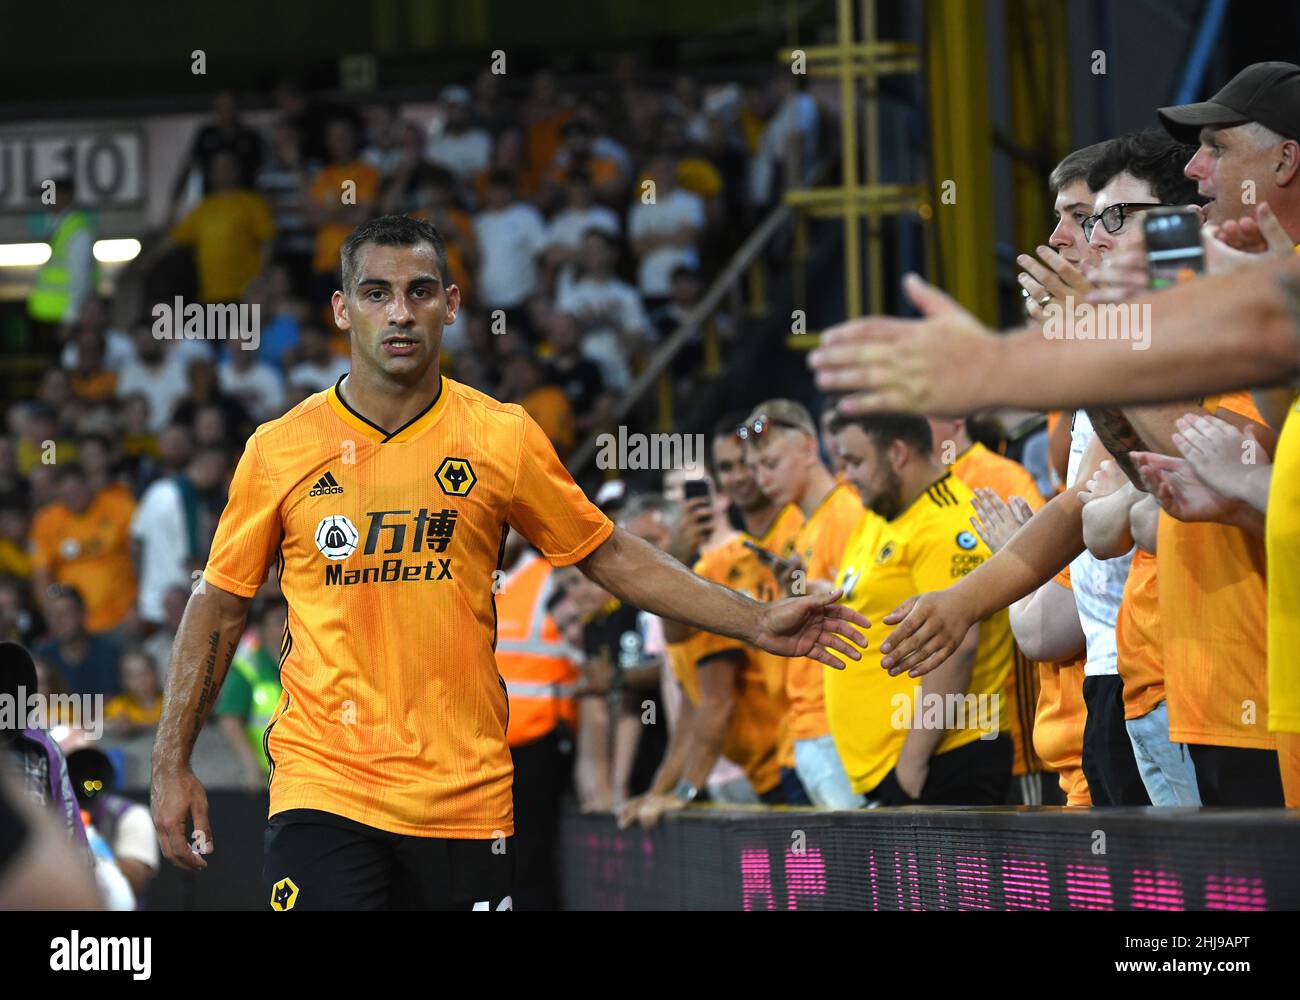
(685, 792)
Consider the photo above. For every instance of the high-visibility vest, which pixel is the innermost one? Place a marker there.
(266, 695)
(532, 657)
(50, 298)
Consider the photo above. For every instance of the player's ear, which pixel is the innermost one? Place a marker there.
(453, 304)
(340, 307)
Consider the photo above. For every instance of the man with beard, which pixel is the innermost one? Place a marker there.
(939, 741)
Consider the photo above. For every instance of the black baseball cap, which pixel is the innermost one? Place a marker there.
(1267, 92)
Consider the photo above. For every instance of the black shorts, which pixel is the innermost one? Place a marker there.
(318, 861)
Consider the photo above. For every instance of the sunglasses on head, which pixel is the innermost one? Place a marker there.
(760, 425)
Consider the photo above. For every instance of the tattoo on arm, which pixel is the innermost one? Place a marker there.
(208, 694)
(1119, 438)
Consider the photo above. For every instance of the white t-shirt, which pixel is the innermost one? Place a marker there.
(465, 154)
(1098, 583)
(136, 839)
(318, 378)
(163, 386)
(118, 352)
(604, 344)
(260, 388)
(677, 208)
(569, 227)
(158, 525)
(510, 241)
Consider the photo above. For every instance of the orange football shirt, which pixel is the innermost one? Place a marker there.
(755, 733)
(393, 712)
(1213, 624)
(91, 552)
(820, 546)
(1137, 638)
(1058, 723)
(978, 467)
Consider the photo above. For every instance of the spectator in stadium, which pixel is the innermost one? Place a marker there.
(97, 456)
(82, 541)
(729, 704)
(578, 376)
(568, 227)
(158, 645)
(281, 314)
(257, 386)
(15, 560)
(609, 311)
(171, 530)
(707, 345)
(664, 226)
(38, 868)
(524, 381)
(1116, 517)
(92, 316)
(941, 742)
(1210, 578)
(318, 366)
(1046, 627)
(283, 182)
(251, 692)
(29, 751)
(157, 374)
(125, 825)
(226, 136)
(456, 142)
(979, 468)
(85, 662)
(781, 440)
(137, 709)
(511, 234)
(205, 392)
(787, 145)
(230, 230)
(383, 129)
(92, 380)
(544, 115)
(583, 150)
(341, 196)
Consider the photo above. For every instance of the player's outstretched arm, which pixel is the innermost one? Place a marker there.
(930, 627)
(1226, 332)
(637, 572)
(205, 644)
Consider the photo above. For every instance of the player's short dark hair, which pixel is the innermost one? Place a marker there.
(390, 231)
(1075, 167)
(884, 428)
(1152, 156)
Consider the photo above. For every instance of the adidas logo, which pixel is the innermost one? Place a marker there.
(326, 486)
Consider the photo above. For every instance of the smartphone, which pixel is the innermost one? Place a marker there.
(765, 555)
(696, 489)
(1174, 250)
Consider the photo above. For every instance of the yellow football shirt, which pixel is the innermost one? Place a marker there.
(926, 547)
(393, 712)
(1283, 531)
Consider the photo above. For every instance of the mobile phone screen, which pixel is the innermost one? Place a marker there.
(1174, 251)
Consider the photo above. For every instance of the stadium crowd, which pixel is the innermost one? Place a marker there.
(1121, 657)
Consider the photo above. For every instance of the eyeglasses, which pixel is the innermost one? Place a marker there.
(1114, 215)
(761, 424)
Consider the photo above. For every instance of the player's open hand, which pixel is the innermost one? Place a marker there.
(177, 796)
(937, 365)
(811, 626)
(929, 630)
